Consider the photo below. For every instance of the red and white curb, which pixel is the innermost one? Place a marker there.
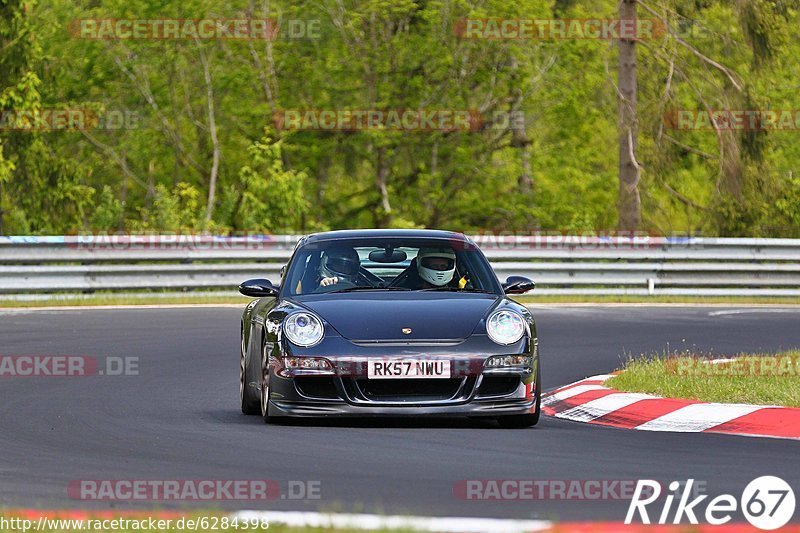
(590, 401)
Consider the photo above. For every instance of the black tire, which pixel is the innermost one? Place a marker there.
(265, 393)
(247, 395)
(529, 420)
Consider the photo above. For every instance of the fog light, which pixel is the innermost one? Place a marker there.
(509, 360)
(307, 363)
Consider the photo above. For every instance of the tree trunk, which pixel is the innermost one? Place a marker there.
(381, 178)
(629, 203)
(123, 202)
(521, 142)
(151, 188)
(519, 137)
(212, 128)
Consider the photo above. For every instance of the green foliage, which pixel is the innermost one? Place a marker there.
(786, 213)
(267, 197)
(109, 210)
(18, 92)
(178, 209)
(557, 172)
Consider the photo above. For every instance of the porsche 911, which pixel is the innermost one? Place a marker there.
(388, 323)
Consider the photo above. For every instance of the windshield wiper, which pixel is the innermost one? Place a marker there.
(456, 289)
(353, 289)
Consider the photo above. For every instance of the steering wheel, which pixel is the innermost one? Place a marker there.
(341, 284)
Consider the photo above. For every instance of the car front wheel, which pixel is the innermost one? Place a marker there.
(247, 395)
(265, 395)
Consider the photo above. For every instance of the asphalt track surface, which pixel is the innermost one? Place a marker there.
(179, 419)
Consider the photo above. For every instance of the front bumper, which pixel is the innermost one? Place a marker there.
(476, 408)
(472, 390)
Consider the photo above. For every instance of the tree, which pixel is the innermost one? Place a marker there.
(714, 56)
(629, 203)
(18, 85)
(551, 110)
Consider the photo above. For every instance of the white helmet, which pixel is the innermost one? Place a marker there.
(426, 259)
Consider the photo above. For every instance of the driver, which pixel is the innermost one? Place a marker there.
(339, 265)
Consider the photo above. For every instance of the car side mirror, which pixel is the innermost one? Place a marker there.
(518, 285)
(258, 288)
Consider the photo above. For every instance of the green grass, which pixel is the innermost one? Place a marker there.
(754, 379)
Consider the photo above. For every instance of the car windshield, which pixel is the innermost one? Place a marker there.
(389, 265)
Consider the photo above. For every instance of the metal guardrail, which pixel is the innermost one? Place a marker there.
(558, 264)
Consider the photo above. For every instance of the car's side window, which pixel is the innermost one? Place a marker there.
(471, 270)
(296, 284)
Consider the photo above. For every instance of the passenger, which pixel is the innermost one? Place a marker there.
(433, 268)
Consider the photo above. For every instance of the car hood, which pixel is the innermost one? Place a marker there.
(377, 316)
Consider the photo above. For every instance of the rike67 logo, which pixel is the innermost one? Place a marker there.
(767, 502)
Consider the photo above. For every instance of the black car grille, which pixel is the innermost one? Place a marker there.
(316, 387)
(413, 390)
(498, 386)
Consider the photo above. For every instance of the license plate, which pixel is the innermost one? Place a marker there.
(408, 368)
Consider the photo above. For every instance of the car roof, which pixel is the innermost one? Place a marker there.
(384, 233)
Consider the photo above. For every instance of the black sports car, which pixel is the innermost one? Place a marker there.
(389, 323)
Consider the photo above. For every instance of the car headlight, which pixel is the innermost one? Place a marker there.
(505, 327)
(303, 329)
(502, 361)
(307, 363)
